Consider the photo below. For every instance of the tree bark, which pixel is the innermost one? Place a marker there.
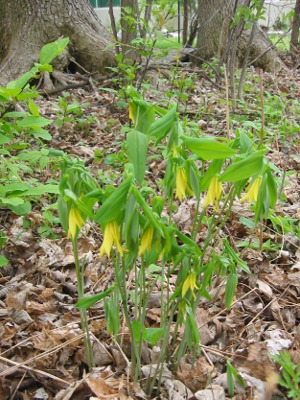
(215, 17)
(185, 22)
(27, 25)
(294, 46)
(129, 29)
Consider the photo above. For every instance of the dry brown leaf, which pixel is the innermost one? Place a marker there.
(196, 376)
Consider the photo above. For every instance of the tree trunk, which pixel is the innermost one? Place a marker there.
(215, 17)
(185, 22)
(129, 16)
(294, 46)
(27, 25)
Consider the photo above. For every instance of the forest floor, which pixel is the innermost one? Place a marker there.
(42, 354)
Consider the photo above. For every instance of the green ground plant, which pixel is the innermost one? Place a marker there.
(140, 237)
(20, 131)
(290, 374)
(142, 240)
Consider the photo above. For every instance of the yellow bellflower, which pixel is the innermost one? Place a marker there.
(213, 193)
(111, 236)
(146, 240)
(252, 191)
(189, 284)
(75, 222)
(181, 184)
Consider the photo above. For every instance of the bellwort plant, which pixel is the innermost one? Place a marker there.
(78, 194)
(145, 245)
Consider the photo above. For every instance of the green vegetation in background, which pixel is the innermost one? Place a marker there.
(104, 3)
(170, 43)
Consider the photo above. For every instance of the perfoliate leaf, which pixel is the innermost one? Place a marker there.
(147, 210)
(208, 148)
(137, 145)
(162, 126)
(112, 206)
(249, 166)
(271, 188)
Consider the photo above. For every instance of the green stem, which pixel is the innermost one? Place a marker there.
(83, 313)
(135, 355)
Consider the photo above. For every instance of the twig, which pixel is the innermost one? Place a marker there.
(42, 355)
(17, 366)
(227, 103)
(261, 86)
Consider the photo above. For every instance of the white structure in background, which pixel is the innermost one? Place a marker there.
(103, 15)
(275, 9)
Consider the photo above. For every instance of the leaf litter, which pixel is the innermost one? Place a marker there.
(42, 353)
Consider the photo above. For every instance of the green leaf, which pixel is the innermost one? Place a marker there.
(33, 108)
(162, 126)
(249, 166)
(33, 122)
(52, 50)
(143, 114)
(137, 145)
(153, 335)
(63, 213)
(237, 260)
(42, 189)
(20, 209)
(22, 81)
(271, 188)
(88, 301)
(230, 380)
(112, 206)
(13, 188)
(191, 331)
(137, 331)
(112, 316)
(213, 169)
(208, 148)
(4, 139)
(3, 261)
(148, 212)
(14, 114)
(245, 142)
(230, 289)
(7, 92)
(131, 223)
(189, 242)
(194, 181)
(40, 133)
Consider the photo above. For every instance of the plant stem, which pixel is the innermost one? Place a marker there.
(83, 313)
(261, 86)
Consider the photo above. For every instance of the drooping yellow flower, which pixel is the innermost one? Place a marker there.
(189, 284)
(146, 240)
(182, 184)
(252, 191)
(111, 236)
(213, 193)
(75, 222)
